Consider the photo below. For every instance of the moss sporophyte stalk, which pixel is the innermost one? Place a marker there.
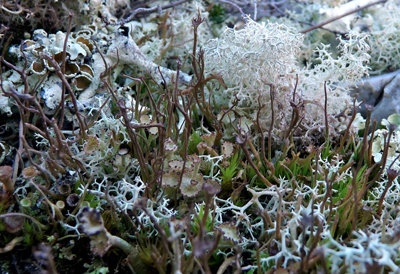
(184, 137)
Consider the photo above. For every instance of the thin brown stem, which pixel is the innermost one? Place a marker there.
(63, 66)
(341, 16)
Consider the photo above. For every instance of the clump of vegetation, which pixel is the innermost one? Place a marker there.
(133, 146)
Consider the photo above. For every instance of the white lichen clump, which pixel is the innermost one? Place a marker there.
(261, 58)
(253, 60)
(380, 21)
(338, 74)
(254, 57)
(384, 31)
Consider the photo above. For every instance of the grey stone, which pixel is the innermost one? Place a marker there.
(382, 92)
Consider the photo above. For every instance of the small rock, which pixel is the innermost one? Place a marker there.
(382, 92)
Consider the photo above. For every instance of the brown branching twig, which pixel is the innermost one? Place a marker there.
(82, 125)
(137, 11)
(341, 16)
(235, 6)
(63, 67)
